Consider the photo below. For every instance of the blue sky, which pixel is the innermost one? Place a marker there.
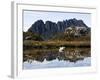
(31, 16)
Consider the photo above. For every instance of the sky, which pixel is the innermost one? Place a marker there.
(31, 16)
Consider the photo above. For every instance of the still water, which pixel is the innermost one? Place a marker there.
(70, 57)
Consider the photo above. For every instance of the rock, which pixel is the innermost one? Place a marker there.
(49, 28)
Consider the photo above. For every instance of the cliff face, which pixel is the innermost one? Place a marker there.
(49, 28)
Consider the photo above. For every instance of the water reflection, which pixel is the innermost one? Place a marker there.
(71, 55)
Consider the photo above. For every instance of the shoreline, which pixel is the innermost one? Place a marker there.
(54, 44)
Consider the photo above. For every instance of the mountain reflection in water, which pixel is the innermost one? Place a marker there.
(71, 57)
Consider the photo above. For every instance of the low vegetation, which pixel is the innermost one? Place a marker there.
(69, 38)
(28, 44)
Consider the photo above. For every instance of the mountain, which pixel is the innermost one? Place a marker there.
(49, 28)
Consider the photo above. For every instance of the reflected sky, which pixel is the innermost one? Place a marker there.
(75, 57)
(57, 64)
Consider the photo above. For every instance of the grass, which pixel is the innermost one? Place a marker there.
(55, 44)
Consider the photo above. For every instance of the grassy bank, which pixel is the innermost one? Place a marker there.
(54, 44)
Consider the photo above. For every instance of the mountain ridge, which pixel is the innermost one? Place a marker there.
(49, 28)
